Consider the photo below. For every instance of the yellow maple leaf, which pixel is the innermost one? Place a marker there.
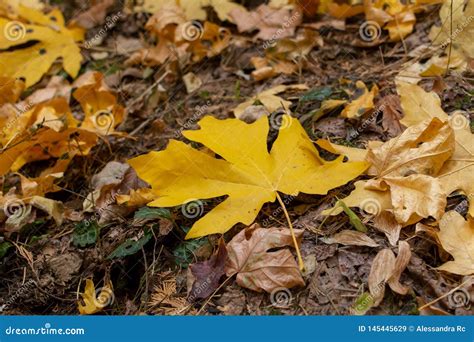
(94, 300)
(53, 41)
(457, 238)
(249, 175)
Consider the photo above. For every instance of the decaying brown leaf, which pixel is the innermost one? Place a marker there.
(351, 238)
(206, 275)
(256, 267)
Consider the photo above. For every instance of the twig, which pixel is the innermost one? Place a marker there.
(298, 253)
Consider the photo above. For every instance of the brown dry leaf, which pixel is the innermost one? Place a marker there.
(392, 113)
(385, 222)
(193, 9)
(179, 39)
(205, 275)
(459, 14)
(382, 268)
(351, 238)
(95, 15)
(420, 149)
(114, 180)
(372, 202)
(405, 168)
(342, 11)
(362, 101)
(457, 238)
(257, 268)
(55, 209)
(101, 109)
(268, 21)
(457, 172)
(57, 86)
(402, 261)
(269, 99)
(419, 105)
(10, 90)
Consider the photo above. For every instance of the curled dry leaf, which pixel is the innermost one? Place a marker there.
(351, 238)
(385, 222)
(381, 270)
(387, 269)
(247, 173)
(205, 275)
(256, 267)
(457, 238)
(402, 261)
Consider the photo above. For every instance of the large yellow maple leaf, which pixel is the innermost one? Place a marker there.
(52, 40)
(248, 174)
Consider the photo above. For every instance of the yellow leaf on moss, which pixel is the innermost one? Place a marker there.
(53, 41)
(248, 174)
(93, 300)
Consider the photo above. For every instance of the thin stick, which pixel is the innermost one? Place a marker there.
(450, 37)
(298, 253)
(445, 295)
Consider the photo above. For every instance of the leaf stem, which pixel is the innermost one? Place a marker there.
(298, 253)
